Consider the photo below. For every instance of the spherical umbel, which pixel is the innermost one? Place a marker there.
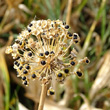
(44, 50)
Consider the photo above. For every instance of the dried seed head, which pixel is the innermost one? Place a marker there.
(41, 51)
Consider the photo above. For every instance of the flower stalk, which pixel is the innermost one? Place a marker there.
(42, 97)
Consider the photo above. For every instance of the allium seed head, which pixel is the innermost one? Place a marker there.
(43, 51)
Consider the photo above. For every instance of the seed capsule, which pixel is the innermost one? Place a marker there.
(60, 75)
(20, 67)
(47, 53)
(52, 53)
(33, 76)
(18, 64)
(15, 62)
(20, 43)
(86, 60)
(67, 27)
(27, 67)
(30, 24)
(69, 35)
(43, 62)
(25, 83)
(72, 63)
(66, 71)
(75, 36)
(30, 54)
(24, 78)
(41, 55)
(29, 30)
(25, 72)
(79, 73)
(50, 91)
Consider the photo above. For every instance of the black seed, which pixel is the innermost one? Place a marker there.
(20, 51)
(30, 24)
(41, 54)
(29, 30)
(66, 27)
(87, 61)
(72, 63)
(70, 35)
(52, 25)
(25, 72)
(43, 62)
(52, 52)
(60, 75)
(66, 70)
(17, 58)
(76, 41)
(17, 41)
(33, 76)
(26, 42)
(25, 82)
(48, 29)
(20, 43)
(79, 73)
(52, 93)
(43, 33)
(47, 53)
(28, 67)
(30, 54)
(27, 49)
(75, 36)
(20, 67)
(15, 62)
(24, 78)
(64, 23)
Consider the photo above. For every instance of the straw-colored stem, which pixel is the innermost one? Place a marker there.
(69, 12)
(42, 97)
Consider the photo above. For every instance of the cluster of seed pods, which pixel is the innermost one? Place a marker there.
(42, 52)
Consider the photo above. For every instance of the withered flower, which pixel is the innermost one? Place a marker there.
(42, 51)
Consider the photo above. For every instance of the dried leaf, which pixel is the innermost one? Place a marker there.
(103, 77)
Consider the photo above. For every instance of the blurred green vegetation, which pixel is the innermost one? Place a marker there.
(91, 20)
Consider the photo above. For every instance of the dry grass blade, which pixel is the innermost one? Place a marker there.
(98, 44)
(86, 105)
(50, 105)
(7, 27)
(5, 75)
(24, 8)
(103, 77)
(69, 12)
(33, 91)
(1, 94)
(68, 92)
